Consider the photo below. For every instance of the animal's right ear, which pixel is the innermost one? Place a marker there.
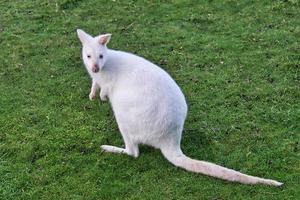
(83, 36)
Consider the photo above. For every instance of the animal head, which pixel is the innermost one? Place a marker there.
(94, 50)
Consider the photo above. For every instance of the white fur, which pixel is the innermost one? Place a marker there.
(148, 105)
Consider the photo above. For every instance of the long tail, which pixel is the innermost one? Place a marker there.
(210, 169)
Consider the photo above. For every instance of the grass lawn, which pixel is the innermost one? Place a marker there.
(237, 62)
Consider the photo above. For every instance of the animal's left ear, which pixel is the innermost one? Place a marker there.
(83, 36)
(104, 39)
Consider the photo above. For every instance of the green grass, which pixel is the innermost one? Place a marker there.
(238, 63)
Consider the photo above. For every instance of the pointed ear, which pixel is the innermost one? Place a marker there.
(83, 36)
(104, 39)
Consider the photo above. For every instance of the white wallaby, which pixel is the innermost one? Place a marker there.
(148, 105)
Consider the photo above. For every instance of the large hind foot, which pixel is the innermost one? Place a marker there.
(113, 149)
(132, 151)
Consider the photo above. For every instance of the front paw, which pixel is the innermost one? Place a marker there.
(103, 97)
(92, 96)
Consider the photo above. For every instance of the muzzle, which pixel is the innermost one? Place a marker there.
(95, 68)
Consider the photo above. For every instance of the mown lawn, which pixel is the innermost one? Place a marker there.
(238, 63)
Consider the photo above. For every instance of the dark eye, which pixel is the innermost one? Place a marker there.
(89, 56)
(100, 56)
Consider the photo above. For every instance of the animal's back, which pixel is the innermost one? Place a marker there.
(147, 102)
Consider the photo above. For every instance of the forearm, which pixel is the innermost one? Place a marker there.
(94, 89)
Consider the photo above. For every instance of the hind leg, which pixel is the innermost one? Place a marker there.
(130, 149)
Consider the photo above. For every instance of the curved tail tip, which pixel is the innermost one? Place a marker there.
(276, 183)
(272, 183)
(279, 184)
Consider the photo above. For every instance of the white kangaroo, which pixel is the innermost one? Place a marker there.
(148, 105)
